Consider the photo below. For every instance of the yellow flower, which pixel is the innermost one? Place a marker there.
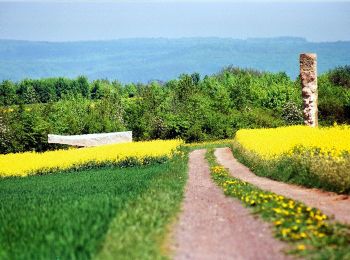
(285, 231)
(319, 217)
(295, 228)
(303, 235)
(330, 140)
(301, 247)
(278, 223)
(277, 210)
(23, 164)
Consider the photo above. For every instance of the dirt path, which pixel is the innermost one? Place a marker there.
(330, 203)
(213, 226)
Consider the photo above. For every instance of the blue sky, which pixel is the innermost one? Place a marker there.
(54, 20)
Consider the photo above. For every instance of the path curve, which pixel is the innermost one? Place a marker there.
(330, 203)
(212, 226)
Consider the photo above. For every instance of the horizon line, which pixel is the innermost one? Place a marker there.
(173, 1)
(283, 37)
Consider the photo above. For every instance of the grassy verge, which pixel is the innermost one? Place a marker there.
(209, 144)
(300, 168)
(309, 232)
(103, 213)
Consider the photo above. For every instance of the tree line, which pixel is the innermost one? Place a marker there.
(190, 107)
(32, 91)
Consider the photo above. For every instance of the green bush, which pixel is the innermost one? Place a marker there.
(292, 113)
(334, 102)
(340, 76)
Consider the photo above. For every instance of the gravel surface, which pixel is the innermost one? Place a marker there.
(330, 203)
(212, 226)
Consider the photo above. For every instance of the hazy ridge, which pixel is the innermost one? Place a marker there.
(145, 59)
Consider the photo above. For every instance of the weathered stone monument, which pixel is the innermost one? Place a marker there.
(308, 76)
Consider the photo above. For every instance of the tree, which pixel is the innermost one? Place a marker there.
(82, 86)
(340, 76)
(95, 90)
(62, 87)
(26, 92)
(129, 90)
(7, 93)
(45, 90)
(196, 78)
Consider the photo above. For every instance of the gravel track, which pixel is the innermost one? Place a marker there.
(213, 226)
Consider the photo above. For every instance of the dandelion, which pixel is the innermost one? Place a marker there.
(278, 223)
(295, 228)
(303, 235)
(285, 231)
(301, 247)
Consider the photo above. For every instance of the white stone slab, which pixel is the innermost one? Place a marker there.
(91, 139)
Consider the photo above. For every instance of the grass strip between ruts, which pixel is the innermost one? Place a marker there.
(208, 144)
(308, 231)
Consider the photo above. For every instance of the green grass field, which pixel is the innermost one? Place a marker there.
(104, 213)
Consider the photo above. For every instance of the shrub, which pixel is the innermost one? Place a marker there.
(292, 113)
(340, 76)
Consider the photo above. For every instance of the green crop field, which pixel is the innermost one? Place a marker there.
(92, 213)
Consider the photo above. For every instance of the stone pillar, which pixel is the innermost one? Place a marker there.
(308, 76)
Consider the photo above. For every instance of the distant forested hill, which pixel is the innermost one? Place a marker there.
(142, 60)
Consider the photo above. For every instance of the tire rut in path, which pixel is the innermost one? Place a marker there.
(330, 203)
(212, 226)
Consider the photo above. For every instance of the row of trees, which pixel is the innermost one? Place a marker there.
(190, 107)
(32, 91)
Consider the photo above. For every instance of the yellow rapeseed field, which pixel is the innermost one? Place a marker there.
(271, 143)
(23, 164)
